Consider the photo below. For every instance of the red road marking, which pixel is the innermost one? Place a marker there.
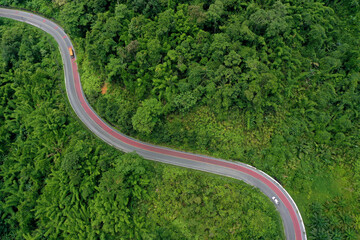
(44, 20)
(133, 143)
(56, 27)
(32, 15)
(64, 36)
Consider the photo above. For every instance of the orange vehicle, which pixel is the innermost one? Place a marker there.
(71, 52)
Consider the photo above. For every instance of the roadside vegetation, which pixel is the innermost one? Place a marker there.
(58, 181)
(274, 84)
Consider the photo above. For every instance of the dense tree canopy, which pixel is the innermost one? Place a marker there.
(271, 83)
(57, 181)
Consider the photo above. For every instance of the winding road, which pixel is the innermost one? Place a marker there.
(291, 217)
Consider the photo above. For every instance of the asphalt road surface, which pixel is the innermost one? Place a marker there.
(290, 215)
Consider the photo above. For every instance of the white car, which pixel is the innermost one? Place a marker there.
(275, 200)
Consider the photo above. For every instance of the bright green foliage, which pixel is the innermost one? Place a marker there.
(114, 212)
(209, 203)
(57, 181)
(147, 116)
(271, 83)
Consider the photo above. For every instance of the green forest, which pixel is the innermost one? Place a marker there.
(274, 84)
(58, 181)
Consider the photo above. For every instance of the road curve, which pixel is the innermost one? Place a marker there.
(291, 217)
